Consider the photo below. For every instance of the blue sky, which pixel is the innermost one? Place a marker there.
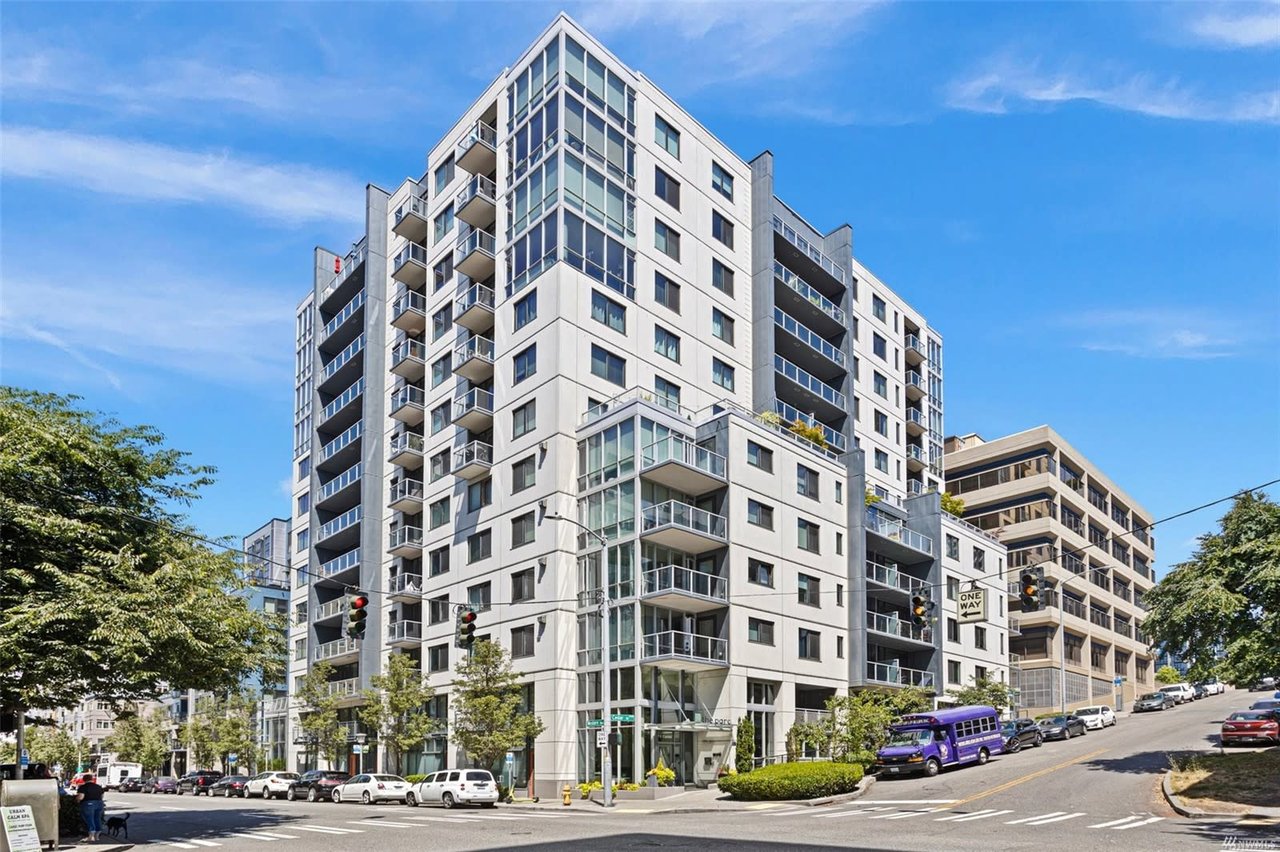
(1083, 198)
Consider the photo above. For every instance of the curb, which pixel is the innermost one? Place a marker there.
(867, 782)
(1186, 810)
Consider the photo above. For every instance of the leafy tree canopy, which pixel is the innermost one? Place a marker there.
(1220, 609)
(318, 715)
(954, 505)
(1168, 674)
(100, 594)
(488, 717)
(396, 707)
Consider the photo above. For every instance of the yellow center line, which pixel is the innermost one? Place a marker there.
(1015, 782)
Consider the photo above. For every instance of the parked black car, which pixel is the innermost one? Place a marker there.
(131, 785)
(316, 785)
(1199, 692)
(230, 785)
(1020, 732)
(1152, 701)
(200, 781)
(1062, 727)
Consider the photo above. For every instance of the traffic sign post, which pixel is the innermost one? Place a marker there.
(595, 723)
(232, 758)
(25, 760)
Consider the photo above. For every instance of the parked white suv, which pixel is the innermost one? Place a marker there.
(1180, 692)
(1096, 717)
(451, 787)
(269, 785)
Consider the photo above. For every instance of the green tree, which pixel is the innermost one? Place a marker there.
(140, 739)
(984, 690)
(744, 758)
(201, 741)
(66, 751)
(487, 697)
(954, 505)
(100, 592)
(1221, 608)
(857, 724)
(318, 713)
(234, 731)
(1168, 674)
(396, 708)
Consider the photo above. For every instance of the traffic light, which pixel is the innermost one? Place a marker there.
(920, 607)
(357, 606)
(1030, 585)
(466, 628)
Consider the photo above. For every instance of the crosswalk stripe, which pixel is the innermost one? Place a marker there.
(437, 819)
(987, 811)
(975, 817)
(324, 829)
(182, 844)
(483, 817)
(839, 814)
(381, 822)
(1115, 822)
(1029, 819)
(907, 802)
(203, 842)
(1057, 818)
(907, 814)
(251, 835)
(278, 836)
(1146, 821)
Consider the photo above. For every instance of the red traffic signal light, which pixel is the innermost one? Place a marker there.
(466, 628)
(357, 605)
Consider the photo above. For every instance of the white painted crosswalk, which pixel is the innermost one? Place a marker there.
(897, 809)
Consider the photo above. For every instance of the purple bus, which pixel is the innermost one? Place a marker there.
(926, 742)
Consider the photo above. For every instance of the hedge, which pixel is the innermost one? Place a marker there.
(793, 781)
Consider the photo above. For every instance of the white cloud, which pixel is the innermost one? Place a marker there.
(1235, 28)
(287, 192)
(1007, 84)
(1161, 333)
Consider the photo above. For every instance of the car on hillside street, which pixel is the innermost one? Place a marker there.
(1097, 717)
(316, 785)
(1251, 726)
(1021, 732)
(371, 789)
(452, 787)
(1266, 704)
(230, 785)
(270, 785)
(1213, 686)
(1062, 727)
(200, 781)
(1264, 685)
(1179, 692)
(1152, 701)
(160, 784)
(131, 785)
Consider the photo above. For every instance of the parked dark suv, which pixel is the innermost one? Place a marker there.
(316, 785)
(198, 782)
(1021, 732)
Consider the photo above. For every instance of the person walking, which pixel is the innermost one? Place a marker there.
(89, 795)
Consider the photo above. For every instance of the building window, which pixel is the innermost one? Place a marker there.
(953, 630)
(809, 590)
(721, 374)
(303, 540)
(979, 560)
(479, 545)
(839, 543)
(608, 366)
(304, 468)
(953, 671)
(524, 419)
(882, 423)
(810, 644)
(480, 596)
(438, 658)
(522, 530)
(807, 535)
(721, 181)
(666, 292)
(721, 228)
(839, 647)
(722, 277)
(439, 465)
(522, 641)
(759, 514)
(526, 310)
(439, 417)
(441, 321)
(522, 586)
(760, 573)
(442, 272)
(524, 364)
(443, 223)
(666, 344)
(438, 561)
(877, 307)
(980, 637)
(666, 136)
(953, 588)
(304, 504)
(759, 631)
(441, 369)
(839, 594)
(758, 456)
(608, 312)
(880, 385)
(806, 482)
(879, 347)
(666, 187)
(523, 474)
(953, 547)
(479, 495)
(666, 239)
(444, 174)
(721, 326)
(882, 461)
(668, 392)
(439, 609)
(979, 672)
(439, 513)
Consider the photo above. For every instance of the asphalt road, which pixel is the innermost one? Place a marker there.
(1100, 791)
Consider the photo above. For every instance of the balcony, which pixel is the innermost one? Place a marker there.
(342, 485)
(473, 410)
(915, 385)
(343, 448)
(473, 310)
(406, 496)
(683, 527)
(343, 368)
(915, 457)
(1072, 606)
(411, 220)
(408, 405)
(898, 537)
(473, 360)
(477, 150)
(916, 423)
(341, 524)
(1100, 618)
(340, 565)
(915, 487)
(790, 414)
(345, 270)
(343, 404)
(343, 650)
(809, 392)
(892, 675)
(678, 463)
(474, 255)
(330, 609)
(409, 312)
(889, 578)
(684, 589)
(476, 202)
(805, 303)
(404, 634)
(473, 461)
(405, 588)
(807, 348)
(339, 322)
(674, 649)
(345, 688)
(409, 267)
(898, 632)
(405, 542)
(409, 360)
(406, 450)
(913, 350)
(811, 253)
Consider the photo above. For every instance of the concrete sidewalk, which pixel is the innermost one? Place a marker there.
(709, 800)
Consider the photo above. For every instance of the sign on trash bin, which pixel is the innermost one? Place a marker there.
(20, 829)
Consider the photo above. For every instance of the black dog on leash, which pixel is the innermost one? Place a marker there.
(117, 824)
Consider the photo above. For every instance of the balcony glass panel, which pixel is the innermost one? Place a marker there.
(811, 383)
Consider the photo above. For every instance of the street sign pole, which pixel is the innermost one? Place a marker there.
(606, 711)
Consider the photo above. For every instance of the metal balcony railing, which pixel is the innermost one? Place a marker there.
(810, 295)
(692, 646)
(680, 449)
(341, 647)
(346, 519)
(678, 578)
(341, 481)
(894, 579)
(892, 528)
(895, 626)
(808, 337)
(338, 564)
(347, 312)
(898, 675)
(809, 382)
(678, 514)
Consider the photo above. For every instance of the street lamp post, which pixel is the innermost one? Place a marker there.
(606, 714)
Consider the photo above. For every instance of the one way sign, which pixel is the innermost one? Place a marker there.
(972, 606)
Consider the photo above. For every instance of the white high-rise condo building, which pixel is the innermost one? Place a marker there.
(589, 350)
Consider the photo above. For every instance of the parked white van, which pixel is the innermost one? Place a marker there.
(451, 787)
(1181, 692)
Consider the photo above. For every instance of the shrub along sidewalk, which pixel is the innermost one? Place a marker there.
(784, 781)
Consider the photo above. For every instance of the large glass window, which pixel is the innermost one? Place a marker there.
(526, 310)
(532, 254)
(666, 292)
(666, 344)
(666, 136)
(607, 455)
(722, 374)
(600, 256)
(666, 239)
(608, 312)
(444, 174)
(443, 223)
(721, 181)
(608, 366)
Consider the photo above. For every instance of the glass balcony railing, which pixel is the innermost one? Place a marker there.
(410, 301)
(400, 631)
(411, 253)
(476, 347)
(915, 452)
(405, 537)
(810, 295)
(347, 312)
(408, 395)
(475, 240)
(476, 296)
(890, 576)
(898, 675)
(346, 519)
(478, 187)
(914, 380)
(476, 452)
(340, 648)
(405, 489)
(342, 400)
(676, 643)
(810, 383)
(406, 442)
(913, 344)
(809, 250)
(340, 360)
(329, 609)
(689, 581)
(892, 528)
(346, 266)
(414, 206)
(916, 416)
(337, 565)
(476, 399)
(405, 584)
(344, 688)
(408, 350)
(677, 514)
(680, 449)
(892, 625)
(790, 414)
(349, 476)
(479, 134)
(809, 338)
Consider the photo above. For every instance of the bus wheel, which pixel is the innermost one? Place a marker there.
(932, 767)
(983, 756)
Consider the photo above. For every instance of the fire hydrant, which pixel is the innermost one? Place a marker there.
(567, 793)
